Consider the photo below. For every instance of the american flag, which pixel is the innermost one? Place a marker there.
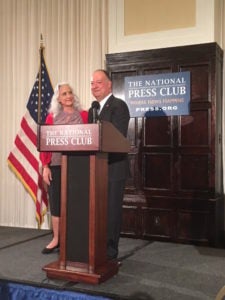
(24, 158)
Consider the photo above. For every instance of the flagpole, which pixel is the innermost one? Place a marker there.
(28, 169)
(39, 80)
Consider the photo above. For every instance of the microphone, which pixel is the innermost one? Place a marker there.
(95, 106)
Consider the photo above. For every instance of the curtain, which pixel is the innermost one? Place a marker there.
(74, 36)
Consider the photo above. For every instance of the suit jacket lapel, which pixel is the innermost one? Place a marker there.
(106, 106)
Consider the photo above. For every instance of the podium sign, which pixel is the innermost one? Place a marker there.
(81, 137)
(69, 137)
(84, 192)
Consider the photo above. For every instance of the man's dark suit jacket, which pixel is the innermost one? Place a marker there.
(115, 111)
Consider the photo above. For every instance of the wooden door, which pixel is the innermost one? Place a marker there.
(175, 189)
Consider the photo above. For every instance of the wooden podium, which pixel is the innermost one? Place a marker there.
(84, 192)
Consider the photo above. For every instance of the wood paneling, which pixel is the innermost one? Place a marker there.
(174, 191)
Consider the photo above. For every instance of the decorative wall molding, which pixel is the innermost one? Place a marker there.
(203, 32)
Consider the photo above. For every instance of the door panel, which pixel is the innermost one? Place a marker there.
(175, 187)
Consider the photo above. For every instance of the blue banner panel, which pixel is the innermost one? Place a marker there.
(166, 94)
(15, 291)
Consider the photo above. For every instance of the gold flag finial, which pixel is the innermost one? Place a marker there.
(41, 42)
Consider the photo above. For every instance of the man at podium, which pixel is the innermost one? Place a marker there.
(109, 108)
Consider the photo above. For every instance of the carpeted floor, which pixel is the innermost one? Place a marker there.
(150, 270)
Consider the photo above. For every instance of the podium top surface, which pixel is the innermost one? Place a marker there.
(103, 137)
